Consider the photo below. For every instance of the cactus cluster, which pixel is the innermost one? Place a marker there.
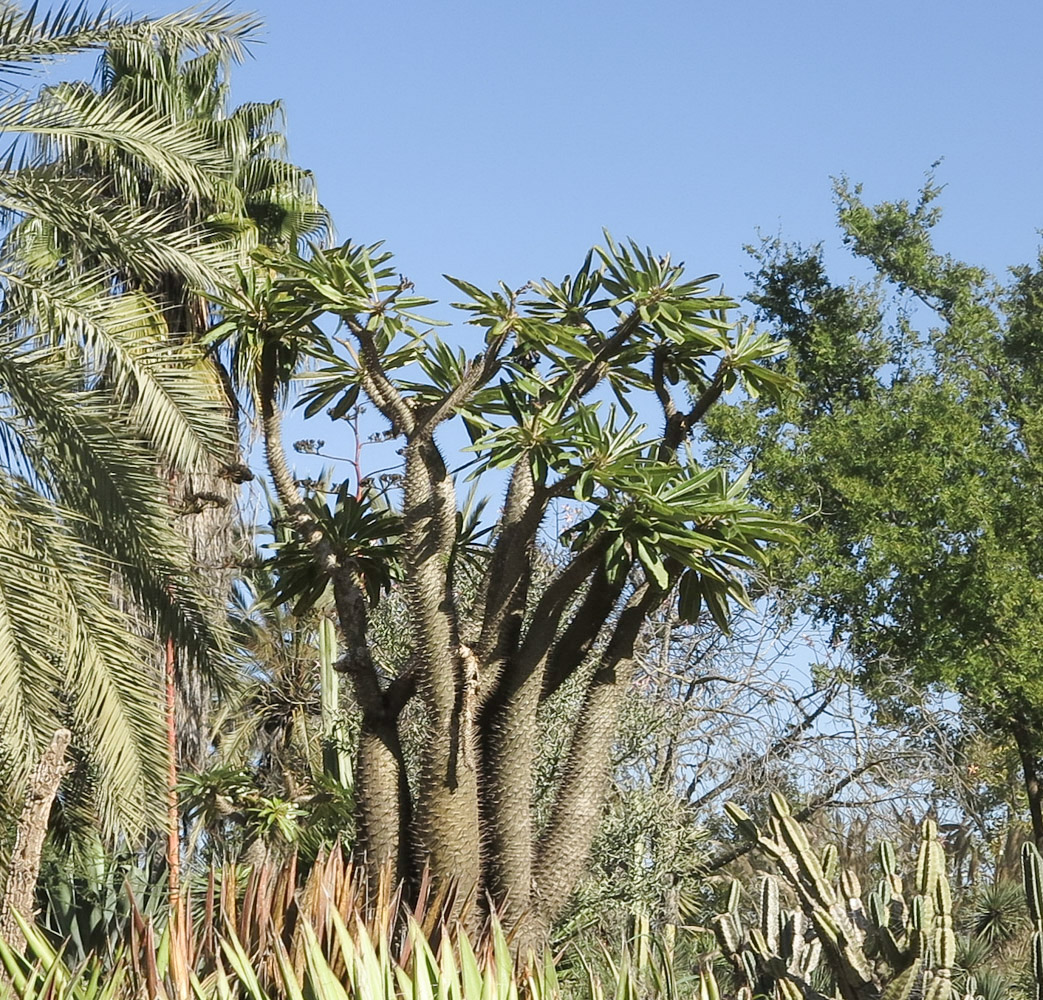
(886, 947)
(1032, 867)
(774, 957)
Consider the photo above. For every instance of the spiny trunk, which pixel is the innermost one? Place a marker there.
(565, 845)
(382, 794)
(446, 828)
(381, 788)
(446, 820)
(508, 754)
(20, 890)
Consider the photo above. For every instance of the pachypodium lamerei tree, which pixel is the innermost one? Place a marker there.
(554, 396)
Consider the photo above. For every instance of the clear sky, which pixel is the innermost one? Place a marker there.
(494, 138)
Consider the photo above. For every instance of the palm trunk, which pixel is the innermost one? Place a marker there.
(173, 821)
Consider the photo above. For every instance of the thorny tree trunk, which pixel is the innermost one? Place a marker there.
(480, 682)
(20, 891)
(446, 819)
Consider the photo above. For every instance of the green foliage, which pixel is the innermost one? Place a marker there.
(660, 513)
(94, 399)
(331, 940)
(910, 456)
(361, 535)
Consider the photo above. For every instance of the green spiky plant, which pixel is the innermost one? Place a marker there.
(887, 946)
(1032, 869)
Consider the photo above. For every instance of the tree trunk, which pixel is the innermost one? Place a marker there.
(382, 795)
(173, 821)
(446, 822)
(446, 827)
(20, 891)
(1030, 771)
(565, 844)
(207, 515)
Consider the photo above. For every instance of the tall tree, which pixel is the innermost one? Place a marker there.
(913, 459)
(484, 658)
(92, 399)
(249, 194)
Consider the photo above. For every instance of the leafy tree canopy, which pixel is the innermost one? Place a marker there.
(911, 456)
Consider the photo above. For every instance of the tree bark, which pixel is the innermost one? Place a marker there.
(382, 794)
(20, 890)
(1030, 771)
(510, 733)
(173, 820)
(447, 825)
(565, 845)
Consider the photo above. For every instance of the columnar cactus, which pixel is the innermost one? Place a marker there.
(774, 958)
(1032, 867)
(880, 952)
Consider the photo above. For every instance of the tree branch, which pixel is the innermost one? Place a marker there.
(479, 371)
(378, 386)
(817, 803)
(575, 643)
(534, 650)
(350, 601)
(593, 372)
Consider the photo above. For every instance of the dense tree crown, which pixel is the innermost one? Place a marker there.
(912, 457)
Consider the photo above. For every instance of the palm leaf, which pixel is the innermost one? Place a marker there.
(69, 656)
(27, 41)
(89, 458)
(74, 117)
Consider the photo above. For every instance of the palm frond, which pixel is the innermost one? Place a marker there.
(68, 656)
(142, 244)
(76, 119)
(92, 462)
(27, 41)
(171, 395)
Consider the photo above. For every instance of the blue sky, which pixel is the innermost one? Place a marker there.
(494, 139)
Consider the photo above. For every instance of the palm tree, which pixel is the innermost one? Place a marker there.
(252, 196)
(93, 394)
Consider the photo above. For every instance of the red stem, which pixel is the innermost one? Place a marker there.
(173, 822)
